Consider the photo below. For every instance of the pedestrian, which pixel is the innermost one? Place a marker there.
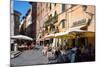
(73, 53)
(58, 56)
(63, 52)
(56, 52)
(45, 49)
(78, 55)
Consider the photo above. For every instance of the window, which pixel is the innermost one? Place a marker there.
(63, 23)
(55, 4)
(55, 19)
(63, 7)
(50, 6)
(52, 27)
(55, 13)
(50, 16)
(84, 7)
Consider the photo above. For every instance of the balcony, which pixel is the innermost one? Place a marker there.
(54, 19)
(50, 21)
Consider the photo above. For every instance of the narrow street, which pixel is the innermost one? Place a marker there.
(30, 57)
(64, 32)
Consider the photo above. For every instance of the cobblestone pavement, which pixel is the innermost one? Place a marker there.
(30, 57)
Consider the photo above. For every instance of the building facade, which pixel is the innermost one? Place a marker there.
(14, 25)
(58, 23)
(34, 18)
(16, 22)
(61, 18)
(42, 14)
(26, 24)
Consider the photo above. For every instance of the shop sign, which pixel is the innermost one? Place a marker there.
(79, 22)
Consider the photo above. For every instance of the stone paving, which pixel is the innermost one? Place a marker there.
(30, 57)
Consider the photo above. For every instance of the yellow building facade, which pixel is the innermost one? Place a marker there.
(62, 19)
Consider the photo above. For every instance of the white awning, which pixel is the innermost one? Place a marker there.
(23, 37)
(71, 33)
(50, 36)
(60, 34)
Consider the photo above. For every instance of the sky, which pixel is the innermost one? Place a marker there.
(21, 6)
